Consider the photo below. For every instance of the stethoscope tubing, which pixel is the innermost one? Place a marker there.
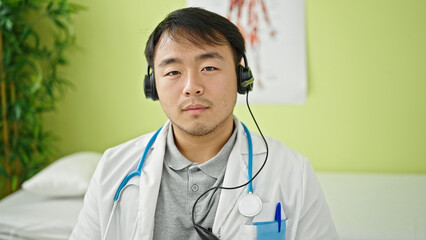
(137, 172)
(250, 158)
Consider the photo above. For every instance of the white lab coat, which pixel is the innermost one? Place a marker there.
(288, 178)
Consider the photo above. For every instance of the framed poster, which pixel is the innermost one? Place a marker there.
(274, 31)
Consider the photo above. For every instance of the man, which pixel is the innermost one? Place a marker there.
(194, 57)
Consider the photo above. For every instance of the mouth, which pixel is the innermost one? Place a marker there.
(195, 109)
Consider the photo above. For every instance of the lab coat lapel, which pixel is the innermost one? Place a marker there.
(149, 186)
(236, 174)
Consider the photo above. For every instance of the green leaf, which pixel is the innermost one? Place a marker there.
(7, 56)
(59, 23)
(25, 33)
(77, 7)
(15, 182)
(3, 171)
(8, 24)
(4, 11)
(36, 84)
(18, 111)
(49, 6)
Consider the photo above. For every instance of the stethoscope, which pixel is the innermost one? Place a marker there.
(249, 205)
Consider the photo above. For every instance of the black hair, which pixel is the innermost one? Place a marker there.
(198, 26)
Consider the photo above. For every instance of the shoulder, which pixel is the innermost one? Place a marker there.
(118, 160)
(128, 147)
(288, 166)
(135, 143)
(279, 154)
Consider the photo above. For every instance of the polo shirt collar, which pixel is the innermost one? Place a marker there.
(213, 167)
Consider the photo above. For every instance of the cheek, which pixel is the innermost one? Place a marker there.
(226, 82)
(169, 107)
(166, 97)
(226, 95)
(228, 89)
(167, 92)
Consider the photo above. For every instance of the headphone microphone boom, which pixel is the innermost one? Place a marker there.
(245, 80)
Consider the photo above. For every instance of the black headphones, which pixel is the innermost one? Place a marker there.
(245, 81)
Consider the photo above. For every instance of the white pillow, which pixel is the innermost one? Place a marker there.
(67, 176)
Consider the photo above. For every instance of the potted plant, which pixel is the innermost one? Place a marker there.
(33, 37)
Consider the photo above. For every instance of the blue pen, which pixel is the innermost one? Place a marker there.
(278, 215)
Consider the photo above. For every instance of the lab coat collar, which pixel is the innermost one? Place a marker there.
(150, 183)
(162, 135)
(256, 138)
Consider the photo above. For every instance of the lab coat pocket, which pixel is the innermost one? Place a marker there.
(270, 230)
(247, 232)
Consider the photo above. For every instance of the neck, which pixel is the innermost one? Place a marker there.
(199, 149)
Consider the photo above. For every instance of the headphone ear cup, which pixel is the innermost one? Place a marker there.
(245, 79)
(149, 87)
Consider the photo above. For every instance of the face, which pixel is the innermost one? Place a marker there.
(196, 85)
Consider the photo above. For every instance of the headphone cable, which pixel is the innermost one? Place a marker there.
(203, 230)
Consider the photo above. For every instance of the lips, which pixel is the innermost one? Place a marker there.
(195, 109)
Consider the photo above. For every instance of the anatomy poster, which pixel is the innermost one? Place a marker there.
(274, 31)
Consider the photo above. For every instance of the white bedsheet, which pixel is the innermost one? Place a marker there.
(376, 206)
(24, 215)
(363, 206)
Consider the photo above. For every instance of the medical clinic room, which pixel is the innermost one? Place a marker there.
(122, 119)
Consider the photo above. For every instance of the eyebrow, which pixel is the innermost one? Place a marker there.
(168, 61)
(209, 55)
(203, 56)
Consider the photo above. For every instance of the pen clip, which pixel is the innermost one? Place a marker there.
(278, 215)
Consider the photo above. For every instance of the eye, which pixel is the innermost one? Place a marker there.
(208, 69)
(172, 73)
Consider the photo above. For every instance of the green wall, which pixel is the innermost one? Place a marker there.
(366, 106)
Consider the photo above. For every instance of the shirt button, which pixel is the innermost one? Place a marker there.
(194, 187)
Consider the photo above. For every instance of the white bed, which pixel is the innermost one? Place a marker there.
(363, 206)
(48, 205)
(25, 215)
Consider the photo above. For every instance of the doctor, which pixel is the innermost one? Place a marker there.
(194, 71)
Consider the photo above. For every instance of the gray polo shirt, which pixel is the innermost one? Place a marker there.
(182, 183)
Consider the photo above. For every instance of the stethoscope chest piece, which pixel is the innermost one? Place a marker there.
(250, 205)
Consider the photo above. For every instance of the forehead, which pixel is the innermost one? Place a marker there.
(186, 42)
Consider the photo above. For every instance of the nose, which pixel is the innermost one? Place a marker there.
(193, 86)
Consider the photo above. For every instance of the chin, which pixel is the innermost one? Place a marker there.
(196, 129)
(199, 130)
